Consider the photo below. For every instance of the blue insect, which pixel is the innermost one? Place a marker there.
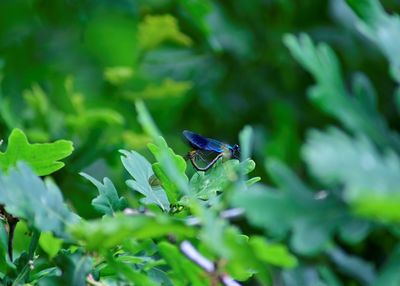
(204, 148)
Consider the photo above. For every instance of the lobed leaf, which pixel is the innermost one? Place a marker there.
(42, 158)
(109, 232)
(381, 28)
(171, 188)
(330, 94)
(370, 177)
(293, 209)
(140, 169)
(41, 204)
(107, 202)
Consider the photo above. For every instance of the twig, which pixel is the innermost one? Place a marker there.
(12, 223)
(190, 252)
(194, 255)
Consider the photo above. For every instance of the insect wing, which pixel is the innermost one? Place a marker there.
(199, 142)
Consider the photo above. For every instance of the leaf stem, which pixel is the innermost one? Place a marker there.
(24, 274)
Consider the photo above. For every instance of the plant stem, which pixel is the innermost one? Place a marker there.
(24, 274)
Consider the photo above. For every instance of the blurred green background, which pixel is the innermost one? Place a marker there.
(73, 70)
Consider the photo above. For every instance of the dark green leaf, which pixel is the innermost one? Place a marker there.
(74, 266)
(353, 266)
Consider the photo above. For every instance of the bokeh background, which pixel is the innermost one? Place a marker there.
(73, 69)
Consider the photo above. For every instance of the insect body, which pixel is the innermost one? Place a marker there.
(203, 148)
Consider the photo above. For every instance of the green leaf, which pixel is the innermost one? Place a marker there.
(41, 204)
(140, 169)
(118, 75)
(5, 263)
(389, 275)
(130, 273)
(302, 275)
(167, 162)
(370, 178)
(74, 266)
(219, 177)
(240, 250)
(272, 253)
(381, 28)
(95, 116)
(183, 271)
(155, 30)
(330, 93)
(107, 202)
(353, 266)
(168, 88)
(42, 158)
(171, 188)
(112, 231)
(293, 209)
(50, 244)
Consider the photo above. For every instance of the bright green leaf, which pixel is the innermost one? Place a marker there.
(155, 30)
(42, 158)
(50, 244)
(109, 232)
(272, 253)
(169, 185)
(183, 271)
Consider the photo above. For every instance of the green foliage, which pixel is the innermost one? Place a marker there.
(140, 170)
(26, 196)
(169, 185)
(107, 202)
(358, 112)
(381, 28)
(369, 177)
(110, 232)
(319, 212)
(74, 266)
(156, 29)
(43, 158)
(50, 244)
(182, 271)
(295, 208)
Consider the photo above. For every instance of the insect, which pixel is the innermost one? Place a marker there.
(204, 148)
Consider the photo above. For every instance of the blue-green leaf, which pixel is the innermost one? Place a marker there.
(140, 170)
(107, 202)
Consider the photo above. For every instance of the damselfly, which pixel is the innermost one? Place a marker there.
(208, 151)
